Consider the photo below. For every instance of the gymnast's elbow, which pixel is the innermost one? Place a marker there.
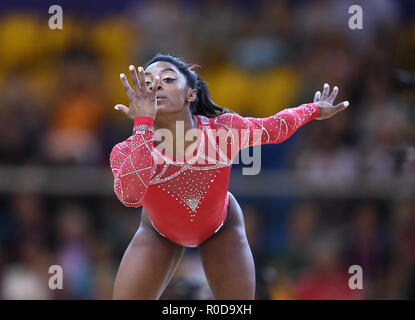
(130, 200)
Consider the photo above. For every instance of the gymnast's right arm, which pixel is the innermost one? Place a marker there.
(132, 160)
(132, 163)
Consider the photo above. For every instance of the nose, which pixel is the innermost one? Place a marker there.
(158, 88)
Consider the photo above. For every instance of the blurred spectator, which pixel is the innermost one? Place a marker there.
(73, 251)
(326, 279)
(79, 111)
(302, 233)
(27, 278)
(365, 246)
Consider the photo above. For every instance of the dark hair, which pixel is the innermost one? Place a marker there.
(203, 105)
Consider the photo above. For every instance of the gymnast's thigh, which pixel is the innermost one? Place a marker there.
(227, 258)
(147, 265)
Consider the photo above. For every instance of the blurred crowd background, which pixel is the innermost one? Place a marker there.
(338, 193)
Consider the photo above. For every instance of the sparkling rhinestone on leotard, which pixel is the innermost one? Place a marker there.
(192, 191)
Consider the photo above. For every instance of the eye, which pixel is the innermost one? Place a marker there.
(168, 80)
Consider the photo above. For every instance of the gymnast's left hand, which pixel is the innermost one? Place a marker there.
(325, 102)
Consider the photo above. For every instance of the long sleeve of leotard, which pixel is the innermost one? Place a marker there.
(132, 163)
(248, 131)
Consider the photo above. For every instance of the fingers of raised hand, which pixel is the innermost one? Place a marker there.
(333, 95)
(128, 90)
(317, 96)
(325, 94)
(134, 79)
(342, 105)
(142, 79)
(122, 108)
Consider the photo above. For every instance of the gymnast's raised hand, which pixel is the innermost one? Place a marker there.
(142, 97)
(325, 102)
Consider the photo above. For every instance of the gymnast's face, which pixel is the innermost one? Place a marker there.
(173, 93)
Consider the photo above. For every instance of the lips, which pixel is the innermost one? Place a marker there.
(160, 97)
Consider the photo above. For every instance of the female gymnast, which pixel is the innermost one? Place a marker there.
(184, 193)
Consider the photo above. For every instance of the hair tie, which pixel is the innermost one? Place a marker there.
(192, 67)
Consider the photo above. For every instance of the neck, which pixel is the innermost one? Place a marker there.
(169, 122)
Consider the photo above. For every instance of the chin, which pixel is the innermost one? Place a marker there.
(163, 109)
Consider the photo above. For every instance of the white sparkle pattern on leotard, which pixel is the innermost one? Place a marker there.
(137, 164)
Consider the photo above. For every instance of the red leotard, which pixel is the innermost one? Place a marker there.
(187, 199)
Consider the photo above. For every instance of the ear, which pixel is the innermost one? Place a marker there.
(191, 95)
